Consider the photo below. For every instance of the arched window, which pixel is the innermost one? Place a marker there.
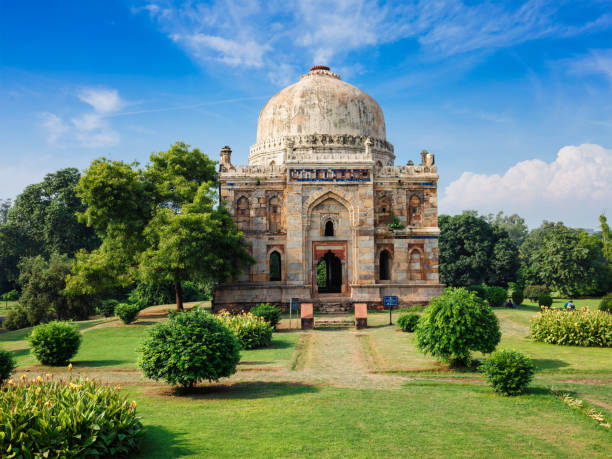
(274, 215)
(329, 228)
(416, 265)
(275, 266)
(385, 265)
(414, 210)
(242, 213)
(379, 164)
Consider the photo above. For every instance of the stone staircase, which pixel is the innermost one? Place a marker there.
(334, 323)
(335, 307)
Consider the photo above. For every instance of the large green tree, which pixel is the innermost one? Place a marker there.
(473, 251)
(158, 223)
(514, 224)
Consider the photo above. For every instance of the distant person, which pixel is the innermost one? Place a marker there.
(569, 305)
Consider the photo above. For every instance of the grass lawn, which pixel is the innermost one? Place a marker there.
(361, 393)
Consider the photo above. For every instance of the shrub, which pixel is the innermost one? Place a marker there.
(7, 365)
(12, 295)
(408, 322)
(606, 303)
(517, 297)
(480, 290)
(252, 332)
(16, 318)
(270, 314)
(46, 418)
(107, 308)
(127, 312)
(496, 296)
(508, 372)
(578, 328)
(190, 347)
(545, 300)
(533, 292)
(455, 324)
(55, 343)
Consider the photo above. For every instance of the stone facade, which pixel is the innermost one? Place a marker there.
(316, 204)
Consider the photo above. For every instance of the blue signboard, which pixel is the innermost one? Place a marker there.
(390, 302)
(295, 304)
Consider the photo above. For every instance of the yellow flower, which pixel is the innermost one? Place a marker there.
(48, 404)
(49, 375)
(38, 379)
(11, 383)
(37, 390)
(118, 388)
(69, 367)
(133, 403)
(24, 377)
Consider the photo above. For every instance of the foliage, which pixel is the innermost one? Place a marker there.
(321, 274)
(408, 322)
(513, 224)
(55, 343)
(533, 292)
(80, 418)
(153, 293)
(480, 290)
(606, 303)
(16, 318)
(42, 221)
(252, 332)
(517, 297)
(127, 312)
(496, 296)
(509, 372)
(189, 347)
(606, 238)
(578, 328)
(395, 223)
(12, 295)
(158, 224)
(473, 251)
(107, 308)
(455, 324)
(7, 365)
(566, 259)
(43, 282)
(545, 300)
(270, 313)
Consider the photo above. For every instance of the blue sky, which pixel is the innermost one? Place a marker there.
(515, 98)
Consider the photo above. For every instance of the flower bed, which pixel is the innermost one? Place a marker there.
(579, 328)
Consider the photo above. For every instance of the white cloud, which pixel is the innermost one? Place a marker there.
(261, 34)
(102, 100)
(597, 62)
(575, 188)
(90, 129)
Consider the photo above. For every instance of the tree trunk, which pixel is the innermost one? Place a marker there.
(179, 295)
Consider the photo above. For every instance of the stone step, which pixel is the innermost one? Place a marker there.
(339, 323)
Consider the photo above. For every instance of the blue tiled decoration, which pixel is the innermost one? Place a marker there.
(330, 175)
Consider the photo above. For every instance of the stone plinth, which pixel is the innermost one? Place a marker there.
(307, 315)
(361, 315)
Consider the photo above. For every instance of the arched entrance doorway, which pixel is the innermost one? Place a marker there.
(329, 274)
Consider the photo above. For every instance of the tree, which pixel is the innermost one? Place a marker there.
(5, 205)
(472, 251)
(513, 224)
(606, 238)
(157, 224)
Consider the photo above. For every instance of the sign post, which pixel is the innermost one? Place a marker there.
(390, 302)
(295, 304)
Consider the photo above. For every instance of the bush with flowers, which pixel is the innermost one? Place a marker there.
(252, 331)
(578, 328)
(45, 417)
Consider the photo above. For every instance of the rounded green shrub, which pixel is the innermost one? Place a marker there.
(577, 328)
(408, 322)
(480, 290)
(508, 372)
(107, 308)
(517, 297)
(533, 292)
(545, 300)
(606, 303)
(127, 312)
(7, 365)
(55, 418)
(189, 347)
(55, 343)
(455, 324)
(252, 332)
(270, 313)
(16, 318)
(496, 296)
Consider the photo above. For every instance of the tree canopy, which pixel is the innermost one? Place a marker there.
(158, 223)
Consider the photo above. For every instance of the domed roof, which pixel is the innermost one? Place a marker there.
(320, 103)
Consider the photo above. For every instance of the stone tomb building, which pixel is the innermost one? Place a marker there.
(316, 203)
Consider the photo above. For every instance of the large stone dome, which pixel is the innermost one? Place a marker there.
(324, 114)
